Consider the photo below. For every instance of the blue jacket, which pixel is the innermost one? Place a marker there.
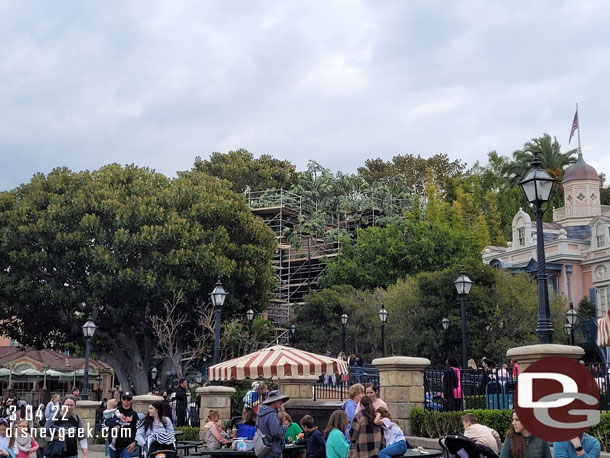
(269, 424)
(316, 445)
(565, 449)
(350, 409)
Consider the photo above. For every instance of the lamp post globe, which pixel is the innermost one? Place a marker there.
(571, 319)
(537, 186)
(293, 331)
(463, 284)
(383, 316)
(217, 296)
(445, 323)
(88, 331)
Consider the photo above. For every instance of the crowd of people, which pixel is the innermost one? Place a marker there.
(64, 431)
(364, 427)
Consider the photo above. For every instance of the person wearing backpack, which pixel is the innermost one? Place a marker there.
(268, 424)
(452, 385)
(68, 426)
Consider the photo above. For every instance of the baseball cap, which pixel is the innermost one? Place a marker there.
(127, 395)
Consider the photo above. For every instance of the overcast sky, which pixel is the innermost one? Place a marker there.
(86, 83)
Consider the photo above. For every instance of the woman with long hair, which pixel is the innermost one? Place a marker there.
(155, 428)
(336, 445)
(521, 444)
(366, 437)
(7, 439)
(452, 385)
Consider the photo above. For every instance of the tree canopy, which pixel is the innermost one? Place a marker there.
(119, 242)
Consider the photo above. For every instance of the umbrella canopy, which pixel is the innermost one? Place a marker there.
(53, 373)
(277, 361)
(603, 331)
(4, 371)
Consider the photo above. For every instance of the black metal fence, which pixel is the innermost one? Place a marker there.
(493, 390)
(335, 387)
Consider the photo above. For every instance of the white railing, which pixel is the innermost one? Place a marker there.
(580, 211)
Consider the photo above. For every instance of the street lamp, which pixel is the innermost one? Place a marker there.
(571, 319)
(383, 316)
(250, 317)
(217, 296)
(344, 319)
(293, 331)
(463, 285)
(88, 331)
(537, 187)
(445, 323)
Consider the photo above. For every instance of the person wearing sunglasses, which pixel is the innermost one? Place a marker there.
(128, 425)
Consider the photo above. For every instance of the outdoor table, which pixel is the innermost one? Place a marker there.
(227, 452)
(429, 452)
(178, 432)
(188, 445)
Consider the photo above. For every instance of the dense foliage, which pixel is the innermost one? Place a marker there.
(118, 242)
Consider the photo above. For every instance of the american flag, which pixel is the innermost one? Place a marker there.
(574, 126)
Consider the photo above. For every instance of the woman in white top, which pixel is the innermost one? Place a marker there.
(156, 428)
(371, 391)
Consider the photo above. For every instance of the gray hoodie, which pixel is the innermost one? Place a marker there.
(269, 424)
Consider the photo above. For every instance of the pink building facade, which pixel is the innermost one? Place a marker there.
(577, 246)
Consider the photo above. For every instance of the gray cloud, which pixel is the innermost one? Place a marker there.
(157, 83)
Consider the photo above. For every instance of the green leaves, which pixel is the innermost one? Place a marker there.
(122, 239)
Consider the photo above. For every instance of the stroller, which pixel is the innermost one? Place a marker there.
(458, 446)
(162, 448)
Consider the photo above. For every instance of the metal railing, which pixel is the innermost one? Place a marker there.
(334, 387)
(580, 211)
(491, 391)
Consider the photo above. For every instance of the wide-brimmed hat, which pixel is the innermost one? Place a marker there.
(275, 395)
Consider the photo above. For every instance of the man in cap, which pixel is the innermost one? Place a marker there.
(126, 435)
(269, 423)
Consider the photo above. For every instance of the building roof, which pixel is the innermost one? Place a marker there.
(580, 171)
(552, 226)
(51, 359)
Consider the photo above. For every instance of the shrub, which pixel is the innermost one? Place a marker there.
(191, 433)
(425, 423)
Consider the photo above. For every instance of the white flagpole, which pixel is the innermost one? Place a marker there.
(578, 117)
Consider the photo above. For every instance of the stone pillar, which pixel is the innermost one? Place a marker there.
(140, 403)
(214, 397)
(299, 388)
(401, 386)
(529, 354)
(86, 411)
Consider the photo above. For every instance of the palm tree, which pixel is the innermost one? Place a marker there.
(553, 161)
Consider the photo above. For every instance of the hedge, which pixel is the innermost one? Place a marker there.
(427, 423)
(191, 433)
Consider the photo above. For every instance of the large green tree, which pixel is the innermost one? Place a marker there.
(120, 241)
(244, 171)
(501, 313)
(554, 161)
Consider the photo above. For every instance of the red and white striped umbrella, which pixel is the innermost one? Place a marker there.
(603, 330)
(277, 361)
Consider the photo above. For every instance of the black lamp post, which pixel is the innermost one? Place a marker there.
(250, 317)
(88, 331)
(293, 332)
(218, 296)
(445, 323)
(344, 319)
(537, 187)
(463, 285)
(571, 319)
(383, 316)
